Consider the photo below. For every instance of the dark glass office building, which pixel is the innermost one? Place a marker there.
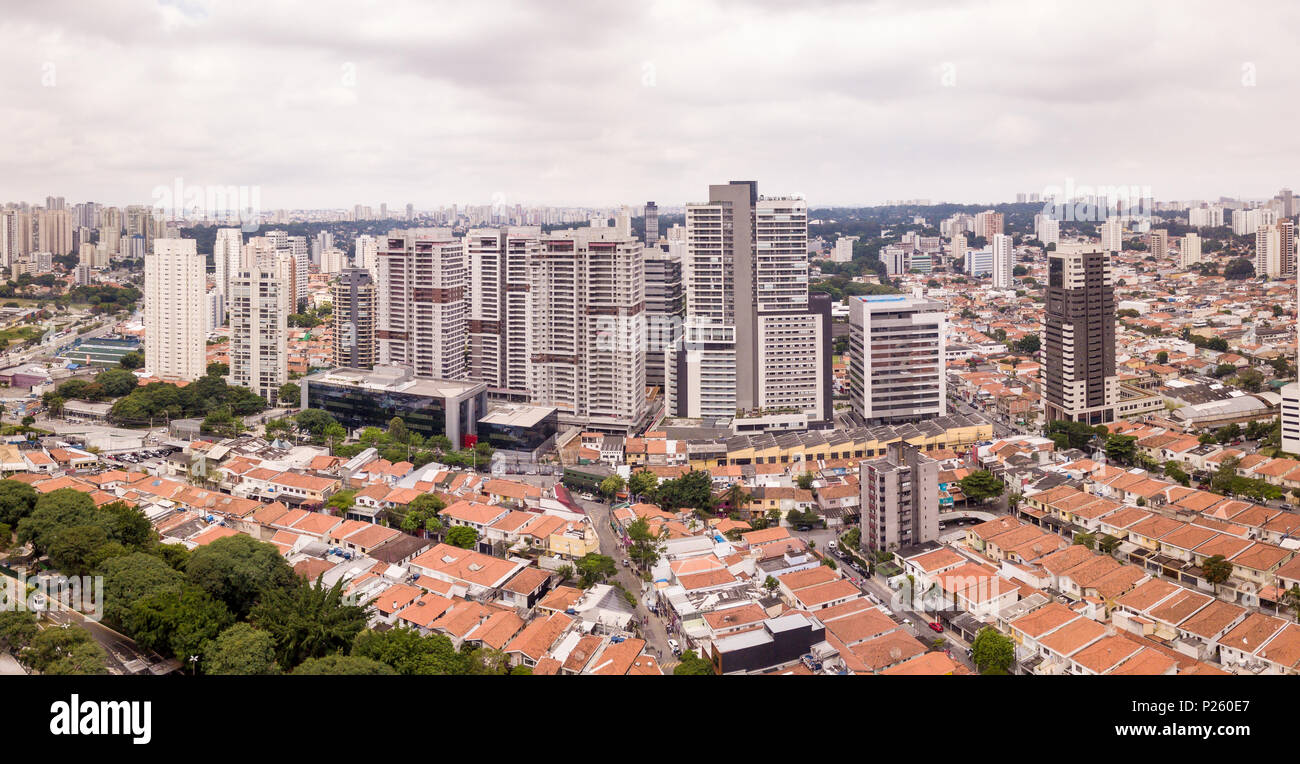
(360, 398)
(525, 431)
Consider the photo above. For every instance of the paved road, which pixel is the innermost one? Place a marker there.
(652, 626)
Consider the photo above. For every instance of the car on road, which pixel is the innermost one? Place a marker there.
(803, 527)
(676, 648)
(936, 626)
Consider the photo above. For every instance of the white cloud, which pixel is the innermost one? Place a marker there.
(330, 103)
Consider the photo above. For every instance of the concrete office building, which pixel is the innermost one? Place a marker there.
(900, 499)
(896, 358)
(354, 319)
(421, 302)
(360, 398)
(175, 316)
(1079, 381)
(258, 309)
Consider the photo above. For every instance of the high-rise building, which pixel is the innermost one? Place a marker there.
(1003, 261)
(651, 224)
(988, 224)
(753, 343)
(1189, 251)
(900, 499)
(1275, 249)
(366, 254)
(896, 358)
(1079, 381)
(331, 260)
(175, 278)
(227, 258)
(421, 303)
(499, 308)
(843, 252)
(296, 247)
(665, 307)
(587, 287)
(259, 307)
(1047, 229)
(1158, 243)
(15, 236)
(354, 319)
(959, 249)
(979, 262)
(1112, 234)
(54, 231)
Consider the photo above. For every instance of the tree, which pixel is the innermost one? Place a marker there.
(218, 369)
(736, 496)
(1029, 344)
(1086, 539)
(132, 360)
(343, 665)
(64, 651)
(17, 500)
(1240, 268)
(342, 501)
(1069, 434)
(1162, 357)
(462, 536)
(594, 568)
(131, 577)
(992, 652)
(1174, 471)
(645, 546)
(610, 486)
(693, 490)
(410, 654)
(289, 394)
(17, 627)
(1251, 380)
(240, 650)
(643, 483)
(397, 431)
(692, 665)
(240, 571)
(178, 624)
(308, 620)
(981, 485)
(1225, 475)
(1109, 543)
(805, 481)
(1216, 570)
(1121, 448)
(1290, 598)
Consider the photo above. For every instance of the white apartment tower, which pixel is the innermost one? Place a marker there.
(1003, 261)
(227, 257)
(896, 358)
(1189, 252)
(1275, 249)
(500, 312)
(587, 288)
(259, 307)
(754, 343)
(175, 279)
(421, 295)
(1112, 234)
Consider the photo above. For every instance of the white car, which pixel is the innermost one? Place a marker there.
(676, 648)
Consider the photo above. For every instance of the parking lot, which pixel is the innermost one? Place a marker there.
(141, 456)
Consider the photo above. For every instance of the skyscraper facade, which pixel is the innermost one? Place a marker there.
(896, 358)
(1079, 381)
(421, 303)
(354, 319)
(175, 316)
(258, 311)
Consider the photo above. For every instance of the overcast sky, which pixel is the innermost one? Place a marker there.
(326, 103)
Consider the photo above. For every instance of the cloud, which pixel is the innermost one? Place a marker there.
(331, 103)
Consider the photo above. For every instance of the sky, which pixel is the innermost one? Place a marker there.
(327, 103)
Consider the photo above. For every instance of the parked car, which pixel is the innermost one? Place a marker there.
(676, 648)
(936, 626)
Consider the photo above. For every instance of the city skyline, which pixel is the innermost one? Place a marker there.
(846, 105)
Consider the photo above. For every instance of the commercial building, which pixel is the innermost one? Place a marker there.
(354, 319)
(1079, 381)
(900, 499)
(175, 319)
(360, 398)
(520, 431)
(259, 305)
(896, 358)
(421, 302)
